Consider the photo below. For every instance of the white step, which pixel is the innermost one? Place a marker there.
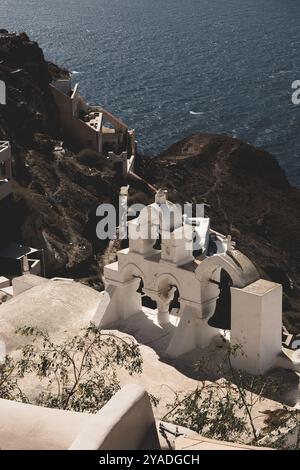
(8, 291)
(4, 282)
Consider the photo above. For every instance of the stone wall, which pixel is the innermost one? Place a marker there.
(83, 134)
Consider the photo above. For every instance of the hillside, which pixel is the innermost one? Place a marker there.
(58, 187)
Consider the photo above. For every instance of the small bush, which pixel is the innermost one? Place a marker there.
(93, 159)
(79, 374)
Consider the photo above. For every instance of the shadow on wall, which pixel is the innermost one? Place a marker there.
(222, 316)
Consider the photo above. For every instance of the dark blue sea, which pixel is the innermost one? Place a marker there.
(170, 68)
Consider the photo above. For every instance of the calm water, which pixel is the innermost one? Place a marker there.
(153, 62)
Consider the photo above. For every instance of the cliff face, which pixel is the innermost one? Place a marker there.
(247, 195)
(30, 107)
(57, 191)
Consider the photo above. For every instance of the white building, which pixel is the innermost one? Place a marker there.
(93, 126)
(15, 259)
(159, 272)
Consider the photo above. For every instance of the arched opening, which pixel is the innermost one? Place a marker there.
(217, 274)
(170, 301)
(222, 315)
(145, 300)
(169, 308)
(197, 250)
(174, 308)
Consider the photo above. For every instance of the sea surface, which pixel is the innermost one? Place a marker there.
(171, 68)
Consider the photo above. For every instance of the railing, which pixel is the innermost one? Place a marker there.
(4, 145)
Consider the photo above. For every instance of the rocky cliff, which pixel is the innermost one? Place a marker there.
(58, 188)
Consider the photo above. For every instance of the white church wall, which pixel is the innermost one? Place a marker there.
(256, 321)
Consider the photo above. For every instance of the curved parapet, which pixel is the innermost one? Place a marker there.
(129, 410)
(166, 280)
(241, 270)
(131, 271)
(248, 270)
